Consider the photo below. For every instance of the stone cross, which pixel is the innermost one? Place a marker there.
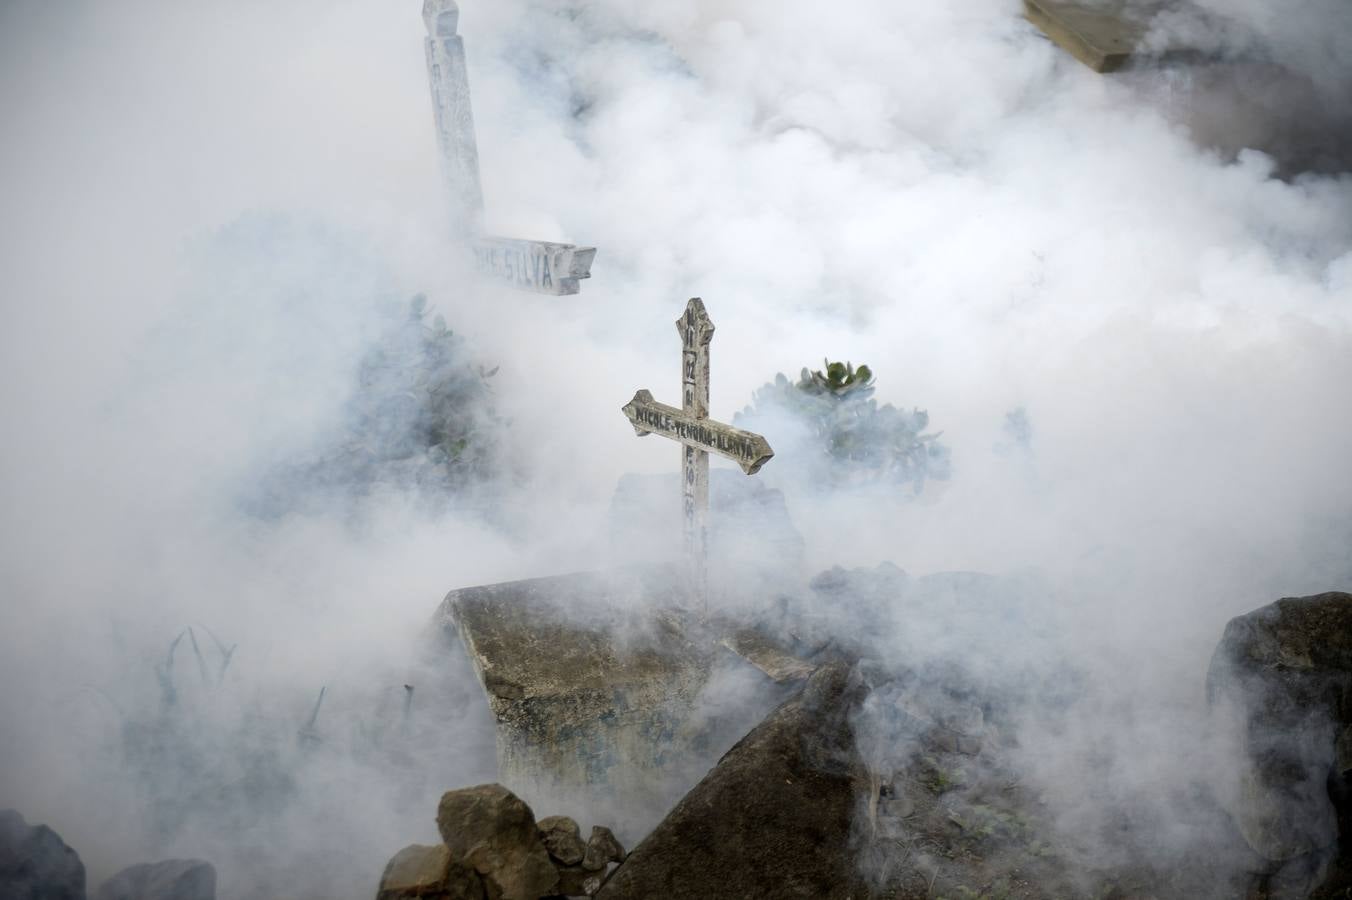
(699, 436)
(540, 266)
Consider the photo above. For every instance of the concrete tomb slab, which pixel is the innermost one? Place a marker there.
(610, 685)
(1103, 36)
(589, 675)
(766, 654)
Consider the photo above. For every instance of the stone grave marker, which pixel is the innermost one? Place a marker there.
(607, 690)
(699, 436)
(752, 536)
(590, 677)
(541, 266)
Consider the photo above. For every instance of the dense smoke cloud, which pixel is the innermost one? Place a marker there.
(207, 209)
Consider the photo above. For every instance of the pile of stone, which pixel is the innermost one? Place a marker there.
(493, 849)
(35, 864)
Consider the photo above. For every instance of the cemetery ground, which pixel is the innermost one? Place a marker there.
(724, 724)
(778, 748)
(729, 724)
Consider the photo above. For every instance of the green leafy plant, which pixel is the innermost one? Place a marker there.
(849, 438)
(421, 408)
(420, 418)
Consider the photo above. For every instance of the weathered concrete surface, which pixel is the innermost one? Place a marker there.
(591, 677)
(766, 654)
(1282, 675)
(773, 819)
(1225, 84)
(35, 864)
(1103, 36)
(909, 771)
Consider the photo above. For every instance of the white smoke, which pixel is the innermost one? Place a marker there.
(932, 189)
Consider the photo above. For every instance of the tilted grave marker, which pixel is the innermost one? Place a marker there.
(534, 265)
(452, 111)
(700, 435)
(1109, 35)
(541, 266)
(1103, 36)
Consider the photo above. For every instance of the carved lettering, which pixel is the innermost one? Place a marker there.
(700, 436)
(542, 266)
(748, 450)
(533, 265)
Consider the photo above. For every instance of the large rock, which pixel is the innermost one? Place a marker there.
(35, 864)
(603, 848)
(579, 881)
(428, 873)
(491, 830)
(563, 839)
(772, 819)
(173, 879)
(1283, 674)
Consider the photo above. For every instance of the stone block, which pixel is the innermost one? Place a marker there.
(591, 677)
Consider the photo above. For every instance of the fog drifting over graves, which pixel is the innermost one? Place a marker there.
(204, 205)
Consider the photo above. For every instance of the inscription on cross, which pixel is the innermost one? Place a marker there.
(540, 266)
(699, 436)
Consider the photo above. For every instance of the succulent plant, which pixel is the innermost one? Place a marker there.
(851, 440)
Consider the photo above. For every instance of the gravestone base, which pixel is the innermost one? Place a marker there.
(609, 690)
(591, 677)
(755, 550)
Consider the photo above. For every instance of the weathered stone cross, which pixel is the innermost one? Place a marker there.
(541, 266)
(699, 434)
